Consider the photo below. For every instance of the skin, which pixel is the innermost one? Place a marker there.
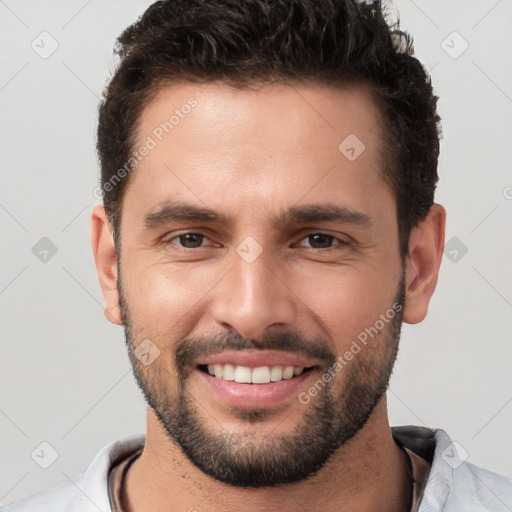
(250, 154)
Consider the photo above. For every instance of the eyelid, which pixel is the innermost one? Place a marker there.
(304, 235)
(340, 241)
(188, 232)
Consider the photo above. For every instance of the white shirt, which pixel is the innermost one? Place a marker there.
(453, 485)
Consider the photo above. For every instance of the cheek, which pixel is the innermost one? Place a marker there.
(346, 302)
(163, 298)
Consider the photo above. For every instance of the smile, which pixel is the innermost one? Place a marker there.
(246, 375)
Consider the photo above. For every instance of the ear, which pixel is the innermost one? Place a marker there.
(426, 245)
(106, 262)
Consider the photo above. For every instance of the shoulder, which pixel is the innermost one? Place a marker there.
(87, 491)
(454, 484)
(62, 497)
(472, 487)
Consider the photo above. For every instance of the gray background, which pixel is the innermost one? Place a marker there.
(65, 377)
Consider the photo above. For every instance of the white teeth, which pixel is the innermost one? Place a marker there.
(276, 373)
(288, 372)
(229, 372)
(219, 370)
(243, 374)
(260, 375)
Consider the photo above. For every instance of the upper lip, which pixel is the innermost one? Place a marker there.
(255, 358)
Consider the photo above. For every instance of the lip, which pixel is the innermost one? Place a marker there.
(250, 396)
(255, 359)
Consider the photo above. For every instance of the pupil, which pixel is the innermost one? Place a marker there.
(191, 240)
(327, 239)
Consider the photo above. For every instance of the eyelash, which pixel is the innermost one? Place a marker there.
(307, 235)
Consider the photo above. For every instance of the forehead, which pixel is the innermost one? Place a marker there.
(308, 110)
(234, 148)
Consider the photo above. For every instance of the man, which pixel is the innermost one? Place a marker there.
(268, 222)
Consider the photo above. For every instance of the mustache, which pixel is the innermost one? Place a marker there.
(293, 342)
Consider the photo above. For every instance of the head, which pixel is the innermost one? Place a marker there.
(230, 134)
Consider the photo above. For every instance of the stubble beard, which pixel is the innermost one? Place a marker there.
(247, 458)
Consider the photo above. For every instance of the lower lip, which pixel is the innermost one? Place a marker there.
(250, 396)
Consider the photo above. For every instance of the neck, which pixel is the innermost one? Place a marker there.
(369, 472)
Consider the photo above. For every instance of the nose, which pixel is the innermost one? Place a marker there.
(253, 296)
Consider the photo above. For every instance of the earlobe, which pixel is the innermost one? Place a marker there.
(426, 247)
(105, 258)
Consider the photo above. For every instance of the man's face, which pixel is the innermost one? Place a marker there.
(276, 280)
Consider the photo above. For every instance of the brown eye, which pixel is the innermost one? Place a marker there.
(191, 240)
(320, 240)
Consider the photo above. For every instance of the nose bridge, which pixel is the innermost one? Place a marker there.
(251, 298)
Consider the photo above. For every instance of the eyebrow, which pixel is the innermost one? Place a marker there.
(172, 211)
